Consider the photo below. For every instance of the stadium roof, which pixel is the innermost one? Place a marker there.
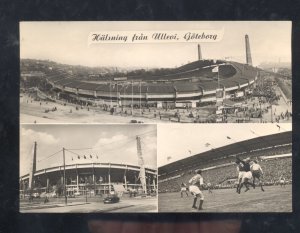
(234, 74)
(232, 149)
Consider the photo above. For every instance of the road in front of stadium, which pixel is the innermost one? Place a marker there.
(127, 205)
(32, 111)
(274, 199)
(35, 112)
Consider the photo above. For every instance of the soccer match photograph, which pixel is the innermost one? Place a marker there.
(225, 168)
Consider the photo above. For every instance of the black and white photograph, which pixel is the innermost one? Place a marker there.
(156, 72)
(225, 168)
(102, 107)
(87, 168)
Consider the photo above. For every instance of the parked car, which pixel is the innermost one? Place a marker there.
(111, 198)
(133, 121)
(77, 194)
(36, 195)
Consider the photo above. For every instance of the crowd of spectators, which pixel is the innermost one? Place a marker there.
(218, 171)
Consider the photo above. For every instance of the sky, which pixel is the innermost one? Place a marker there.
(183, 140)
(111, 143)
(67, 42)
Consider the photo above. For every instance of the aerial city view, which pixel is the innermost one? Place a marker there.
(223, 89)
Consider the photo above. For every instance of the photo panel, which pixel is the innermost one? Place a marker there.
(88, 168)
(155, 72)
(223, 168)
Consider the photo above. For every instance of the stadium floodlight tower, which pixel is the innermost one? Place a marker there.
(142, 175)
(248, 52)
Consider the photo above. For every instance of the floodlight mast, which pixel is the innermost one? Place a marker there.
(142, 175)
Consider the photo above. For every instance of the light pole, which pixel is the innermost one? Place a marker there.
(65, 189)
(117, 95)
(260, 111)
(110, 95)
(271, 113)
(140, 99)
(131, 97)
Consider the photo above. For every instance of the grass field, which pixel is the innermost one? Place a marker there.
(274, 199)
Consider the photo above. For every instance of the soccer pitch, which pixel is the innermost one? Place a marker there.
(274, 199)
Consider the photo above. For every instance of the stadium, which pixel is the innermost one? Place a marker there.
(88, 178)
(202, 91)
(190, 85)
(73, 175)
(273, 153)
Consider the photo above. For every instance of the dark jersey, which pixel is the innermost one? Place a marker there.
(246, 166)
(241, 167)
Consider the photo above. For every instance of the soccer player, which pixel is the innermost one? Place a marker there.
(183, 189)
(241, 171)
(195, 183)
(257, 173)
(282, 181)
(209, 187)
(246, 176)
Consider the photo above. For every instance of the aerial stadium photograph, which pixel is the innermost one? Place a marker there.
(225, 168)
(87, 168)
(240, 73)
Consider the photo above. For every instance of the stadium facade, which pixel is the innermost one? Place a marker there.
(88, 177)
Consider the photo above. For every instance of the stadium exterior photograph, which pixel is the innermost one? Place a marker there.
(88, 168)
(155, 117)
(229, 168)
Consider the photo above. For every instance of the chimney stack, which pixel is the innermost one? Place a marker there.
(199, 53)
(248, 52)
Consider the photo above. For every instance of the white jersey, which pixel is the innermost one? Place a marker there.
(255, 167)
(196, 180)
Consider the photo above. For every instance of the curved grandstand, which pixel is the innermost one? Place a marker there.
(274, 153)
(192, 84)
(96, 178)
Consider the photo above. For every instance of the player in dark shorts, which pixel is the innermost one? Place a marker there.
(184, 189)
(247, 175)
(257, 173)
(241, 170)
(195, 183)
